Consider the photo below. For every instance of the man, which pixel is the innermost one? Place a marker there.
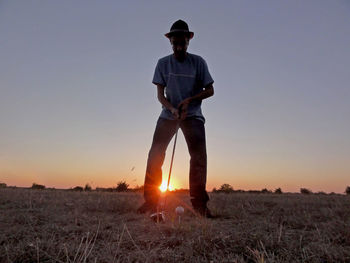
(186, 81)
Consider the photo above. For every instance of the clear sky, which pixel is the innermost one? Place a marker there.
(77, 104)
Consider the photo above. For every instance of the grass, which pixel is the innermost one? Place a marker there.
(66, 226)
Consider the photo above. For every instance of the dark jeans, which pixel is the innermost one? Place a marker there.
(194, 132)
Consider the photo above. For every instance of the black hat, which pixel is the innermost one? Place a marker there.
(179, 26)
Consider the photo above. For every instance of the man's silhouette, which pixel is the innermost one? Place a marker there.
(183, 81)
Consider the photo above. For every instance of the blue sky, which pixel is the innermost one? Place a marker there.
(77, 104)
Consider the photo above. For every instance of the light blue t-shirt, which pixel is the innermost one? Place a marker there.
(182, 80)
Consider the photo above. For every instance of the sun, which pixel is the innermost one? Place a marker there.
(162, 187)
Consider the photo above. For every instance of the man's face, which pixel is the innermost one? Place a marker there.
(179, 44)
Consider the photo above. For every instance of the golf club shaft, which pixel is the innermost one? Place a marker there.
(172, 157)
(171, 163)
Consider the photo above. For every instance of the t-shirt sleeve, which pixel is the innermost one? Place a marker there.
(204, 74)
(158, 77)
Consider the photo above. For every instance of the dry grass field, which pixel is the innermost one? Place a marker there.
(67, 226)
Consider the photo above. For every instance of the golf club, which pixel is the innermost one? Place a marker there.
(159, 216)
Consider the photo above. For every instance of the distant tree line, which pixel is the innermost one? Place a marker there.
(122, 186)
(227, 189)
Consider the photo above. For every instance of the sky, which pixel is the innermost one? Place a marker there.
(77, 104)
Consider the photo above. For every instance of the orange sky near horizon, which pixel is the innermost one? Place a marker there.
(104, 167)
(244, 182)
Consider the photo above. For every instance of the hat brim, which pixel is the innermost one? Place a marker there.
(189, 33)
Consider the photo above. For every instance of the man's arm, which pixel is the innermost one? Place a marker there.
(165, 102)
(206, 93)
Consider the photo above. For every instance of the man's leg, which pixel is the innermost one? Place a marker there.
(163, 133)
(194, 133)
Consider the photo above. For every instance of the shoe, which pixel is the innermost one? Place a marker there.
(203, 211)
(147, 207)
(158, 217)
(201, 208)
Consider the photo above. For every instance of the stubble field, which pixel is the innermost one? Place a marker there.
(67, 226)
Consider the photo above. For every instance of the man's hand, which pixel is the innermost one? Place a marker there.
(183, 108)
(165, 102)
(175, 112)
(181, 111)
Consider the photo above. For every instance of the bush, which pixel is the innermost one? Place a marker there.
(78, 188)
(87, 187)
(305, 191)
(265, 191)
(347, 190)
(3, 185)
(38, 186)
(226, 188)
(278, 191)
(122, 186)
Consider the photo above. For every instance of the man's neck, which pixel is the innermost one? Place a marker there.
(180, 58)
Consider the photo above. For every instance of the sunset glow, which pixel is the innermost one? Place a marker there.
(162, 187)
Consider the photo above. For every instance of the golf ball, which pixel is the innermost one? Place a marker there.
(179, 210)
